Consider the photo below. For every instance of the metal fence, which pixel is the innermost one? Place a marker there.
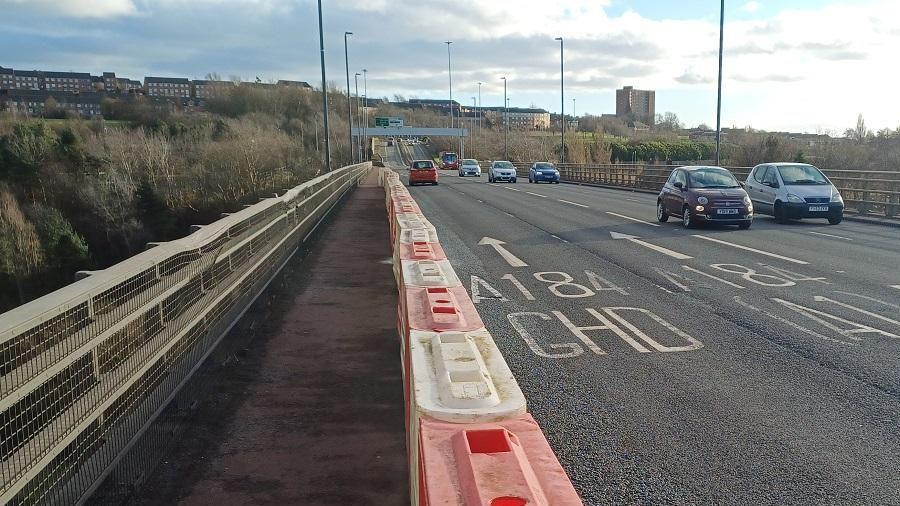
(85, 370)
(865, 192)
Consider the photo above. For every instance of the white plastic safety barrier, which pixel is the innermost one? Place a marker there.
(429, 273)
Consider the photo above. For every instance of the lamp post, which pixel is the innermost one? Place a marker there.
(479, 113)
(719, 101)
(505, 120)
(358, 143)
(365, 114)
(562, 105)
(324, 90)
(349, 101)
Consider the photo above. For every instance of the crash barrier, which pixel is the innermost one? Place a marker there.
(470, 441)
(865, 192)
(88, 368)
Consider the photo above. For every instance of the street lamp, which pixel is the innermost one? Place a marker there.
(479, 113)
(562, 105)
(349, 101)
(719, 101)
(450, 78)
(505, 120)
(366, 114)
(324, 90)
(358, 142)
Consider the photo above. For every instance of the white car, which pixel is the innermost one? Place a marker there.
(502, 170)
(469, 167)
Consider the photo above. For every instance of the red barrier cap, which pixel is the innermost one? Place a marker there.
(440, 309)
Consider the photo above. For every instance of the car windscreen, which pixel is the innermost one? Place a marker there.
(449, 157)
(422, 165)
(801, 174)
(712, 178)
(469, 162)
(543, 166)
(503, 165)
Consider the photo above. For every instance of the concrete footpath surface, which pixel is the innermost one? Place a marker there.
(313, 412)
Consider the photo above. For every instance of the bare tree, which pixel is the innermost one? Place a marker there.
(20, 247)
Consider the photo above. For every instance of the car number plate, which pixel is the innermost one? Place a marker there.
(727, 211)
(814, 209)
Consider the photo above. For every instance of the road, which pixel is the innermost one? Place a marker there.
(673, 366)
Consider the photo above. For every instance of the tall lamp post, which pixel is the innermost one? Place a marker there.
(506, 121)
(365, 114)
(358, 143)
(562, 105)
(349, 100)
(479, 113)
(719, 101)
(324, 91)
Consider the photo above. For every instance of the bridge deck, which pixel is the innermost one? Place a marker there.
(313, 414)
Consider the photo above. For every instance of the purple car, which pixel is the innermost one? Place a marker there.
(704, 195)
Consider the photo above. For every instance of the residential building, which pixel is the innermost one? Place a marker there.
(522, 118)
(33, 102)
(66, 81)
(167, 87)
(28, 80)
(7, 79)
(294, 84)
(204, 89)
(637, 105)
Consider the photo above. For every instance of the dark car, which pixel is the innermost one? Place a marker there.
(422, 171)
(449, 161)
(704, 195)
(543, 171)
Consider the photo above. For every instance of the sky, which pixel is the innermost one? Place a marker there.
(797, 65)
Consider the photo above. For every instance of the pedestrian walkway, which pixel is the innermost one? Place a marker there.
(313, 414)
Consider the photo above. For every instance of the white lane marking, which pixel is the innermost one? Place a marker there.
(665, 251)
(511, 189)
(665, 290)
(480, 201)
(831, 235)
(572, 203)
(638, 201)
(558, 237)
(632, 219)
(866, 297)
(729, 283)
(754, 250)
(509, 214)
(820, 298)
(536, 194)
(790, 323)
(497, 244)
(896, 286)
(671, 279)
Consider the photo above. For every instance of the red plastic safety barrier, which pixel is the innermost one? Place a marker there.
(440, 309)
(508, 463)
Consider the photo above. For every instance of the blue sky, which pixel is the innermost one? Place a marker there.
(790, 65)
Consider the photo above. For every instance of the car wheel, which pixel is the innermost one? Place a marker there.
(661, 215)
(514, 180)
(530, 180)
(745, 224)
(834, 220)
(435, 183)
(779, 213)
(687, 219)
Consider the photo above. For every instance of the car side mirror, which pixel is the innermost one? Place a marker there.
(679, 185)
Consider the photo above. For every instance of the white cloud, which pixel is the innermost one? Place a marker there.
(751, 6)
(76, 8)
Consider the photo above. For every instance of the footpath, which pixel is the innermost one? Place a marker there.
(312, 411)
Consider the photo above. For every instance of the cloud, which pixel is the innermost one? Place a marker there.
(74, 8)
(751, 6)
(690, 77)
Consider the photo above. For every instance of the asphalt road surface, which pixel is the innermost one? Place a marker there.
(673, 366)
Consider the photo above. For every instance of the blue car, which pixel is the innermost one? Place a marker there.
(543, 171)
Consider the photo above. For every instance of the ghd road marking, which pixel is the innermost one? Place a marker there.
(791, 324)
(632, 219)
(820, 298)
(754, 250)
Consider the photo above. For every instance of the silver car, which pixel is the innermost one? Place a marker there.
(502, 170)
(469, 167)
(794, 190)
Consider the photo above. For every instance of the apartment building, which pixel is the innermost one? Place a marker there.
(66, 81)
(34, 102)
(294, 84)
(28, 80)
(637, 105)
(167, 87)
(204, 89)
(521, 118)
(7, 78)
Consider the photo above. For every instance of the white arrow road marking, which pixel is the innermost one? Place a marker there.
(820, 298)
(660, 249)
(572, 203)
(754, 250)
(632, 219)
(497, 244)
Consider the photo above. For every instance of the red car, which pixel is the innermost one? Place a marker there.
(422, 171)
(449, 161)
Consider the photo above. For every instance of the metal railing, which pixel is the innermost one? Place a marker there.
(869, 192)
(85, 370)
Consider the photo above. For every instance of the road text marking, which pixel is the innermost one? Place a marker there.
(754, 250)
(633, 219)
(665, 251)
(710, 276)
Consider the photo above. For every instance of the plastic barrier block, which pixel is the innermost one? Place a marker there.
(411, 221)
(507, 463)
(440, 309)
(428, 273)
(404, 205)
(410, 236)
(415, 251)
(461, 377)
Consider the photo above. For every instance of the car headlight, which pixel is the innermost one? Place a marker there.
(702, 200)
(795, 199)
(836, 196)
(747, 201)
